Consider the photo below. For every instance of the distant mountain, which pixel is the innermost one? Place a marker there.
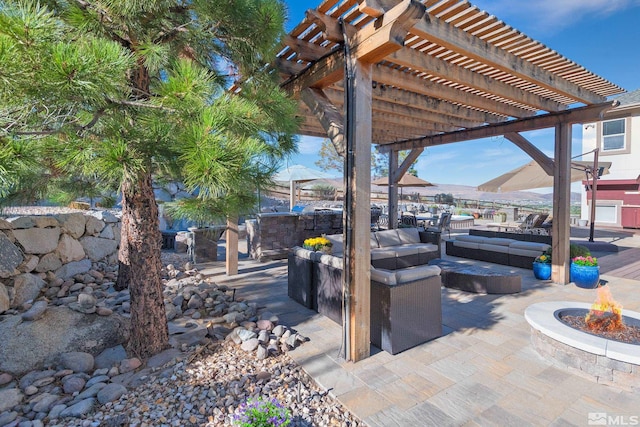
(458, 191)
(472, 193)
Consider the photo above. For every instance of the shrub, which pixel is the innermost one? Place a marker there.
(262, 413)
(578, 250)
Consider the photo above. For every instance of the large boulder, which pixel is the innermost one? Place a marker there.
(26, 287)
(38, 240)
(10, 256)
(49, 262)
(97, 248)
(69, 249)
(73, 224)
(29, 345)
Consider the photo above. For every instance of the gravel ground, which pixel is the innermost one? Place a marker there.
(208, 384)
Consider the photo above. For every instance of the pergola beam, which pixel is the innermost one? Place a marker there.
(577, 115)
(384, 106)
(329, 117)
(450, 37)
(408, 57)
(521, 142)
(374, 42)
(406, 164)
(320, 74)
(413, 83)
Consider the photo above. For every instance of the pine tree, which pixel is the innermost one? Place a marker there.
(123, 92)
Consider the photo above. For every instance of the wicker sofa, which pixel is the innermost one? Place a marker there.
(406, 304)
(499, 250)
(397, 248)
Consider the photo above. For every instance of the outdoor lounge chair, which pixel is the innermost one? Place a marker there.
(408, 219)
(444, 223)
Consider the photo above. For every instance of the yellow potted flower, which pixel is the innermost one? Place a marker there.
(321, 244)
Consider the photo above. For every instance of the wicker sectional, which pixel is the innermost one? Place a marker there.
(499, 250)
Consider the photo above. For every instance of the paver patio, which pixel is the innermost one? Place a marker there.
(482, 371)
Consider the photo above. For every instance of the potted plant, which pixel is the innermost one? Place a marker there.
(585, 272)
(321, 244)
(542, 266)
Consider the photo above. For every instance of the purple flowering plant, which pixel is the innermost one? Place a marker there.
(262, 413)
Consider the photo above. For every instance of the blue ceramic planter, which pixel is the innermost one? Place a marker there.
(542, 270)
(585, 277)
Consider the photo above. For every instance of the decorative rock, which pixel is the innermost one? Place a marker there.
(77, 361)
(29, 264)
(245, 335)
(128, 365)
(36, 311)
(262, 353)
(49, 262)
(110, 357)
(91, 391)
(55, 412)
(111, 393)
(250, 345)
(5, 378)
(9, 398)
(72, 223)
(233, 317)
(73, 385)
(46, 402)
(79, 409)
(31, 390)
(69, 249)
(265, 325)
(26, 287)
(38, 240)
(94, 226)
(73, 268)
(104, 311)
(195, 302)
(263, 337)
(97, 248)
(7, 417)
(189, 338)
(86, 304)
(279, 330)
(97, 379)
(267, 315)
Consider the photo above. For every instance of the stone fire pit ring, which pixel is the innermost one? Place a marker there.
(542, 317)
(598, 359)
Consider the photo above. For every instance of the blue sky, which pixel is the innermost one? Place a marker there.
(601, 35)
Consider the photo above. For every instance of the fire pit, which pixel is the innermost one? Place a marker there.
(592, 354)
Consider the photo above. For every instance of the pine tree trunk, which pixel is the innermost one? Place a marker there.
(141, 258)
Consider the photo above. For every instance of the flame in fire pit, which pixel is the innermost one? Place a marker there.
(605, 313)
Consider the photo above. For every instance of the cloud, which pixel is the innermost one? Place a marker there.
(551, 15)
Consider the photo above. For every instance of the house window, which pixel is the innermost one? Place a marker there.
(613, 135)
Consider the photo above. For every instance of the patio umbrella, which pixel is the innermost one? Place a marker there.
(298, 173)
(532, 175)
(407, 180)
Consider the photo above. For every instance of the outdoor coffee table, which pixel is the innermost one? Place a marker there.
(470, 278)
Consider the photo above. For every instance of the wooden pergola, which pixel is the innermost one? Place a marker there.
(410, 74)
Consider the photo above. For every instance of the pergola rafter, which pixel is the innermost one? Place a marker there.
(421, 73)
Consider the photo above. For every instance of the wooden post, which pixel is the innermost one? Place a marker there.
(232, 246)
(357, 230)
(561, 228)
(393, 190)
(594, 189)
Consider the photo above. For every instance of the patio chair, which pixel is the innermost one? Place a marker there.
(376, 212)
(408, 219)
(444, 223)
(520, 227)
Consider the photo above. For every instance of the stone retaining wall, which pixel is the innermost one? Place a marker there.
(271, 235)
(39, 249)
